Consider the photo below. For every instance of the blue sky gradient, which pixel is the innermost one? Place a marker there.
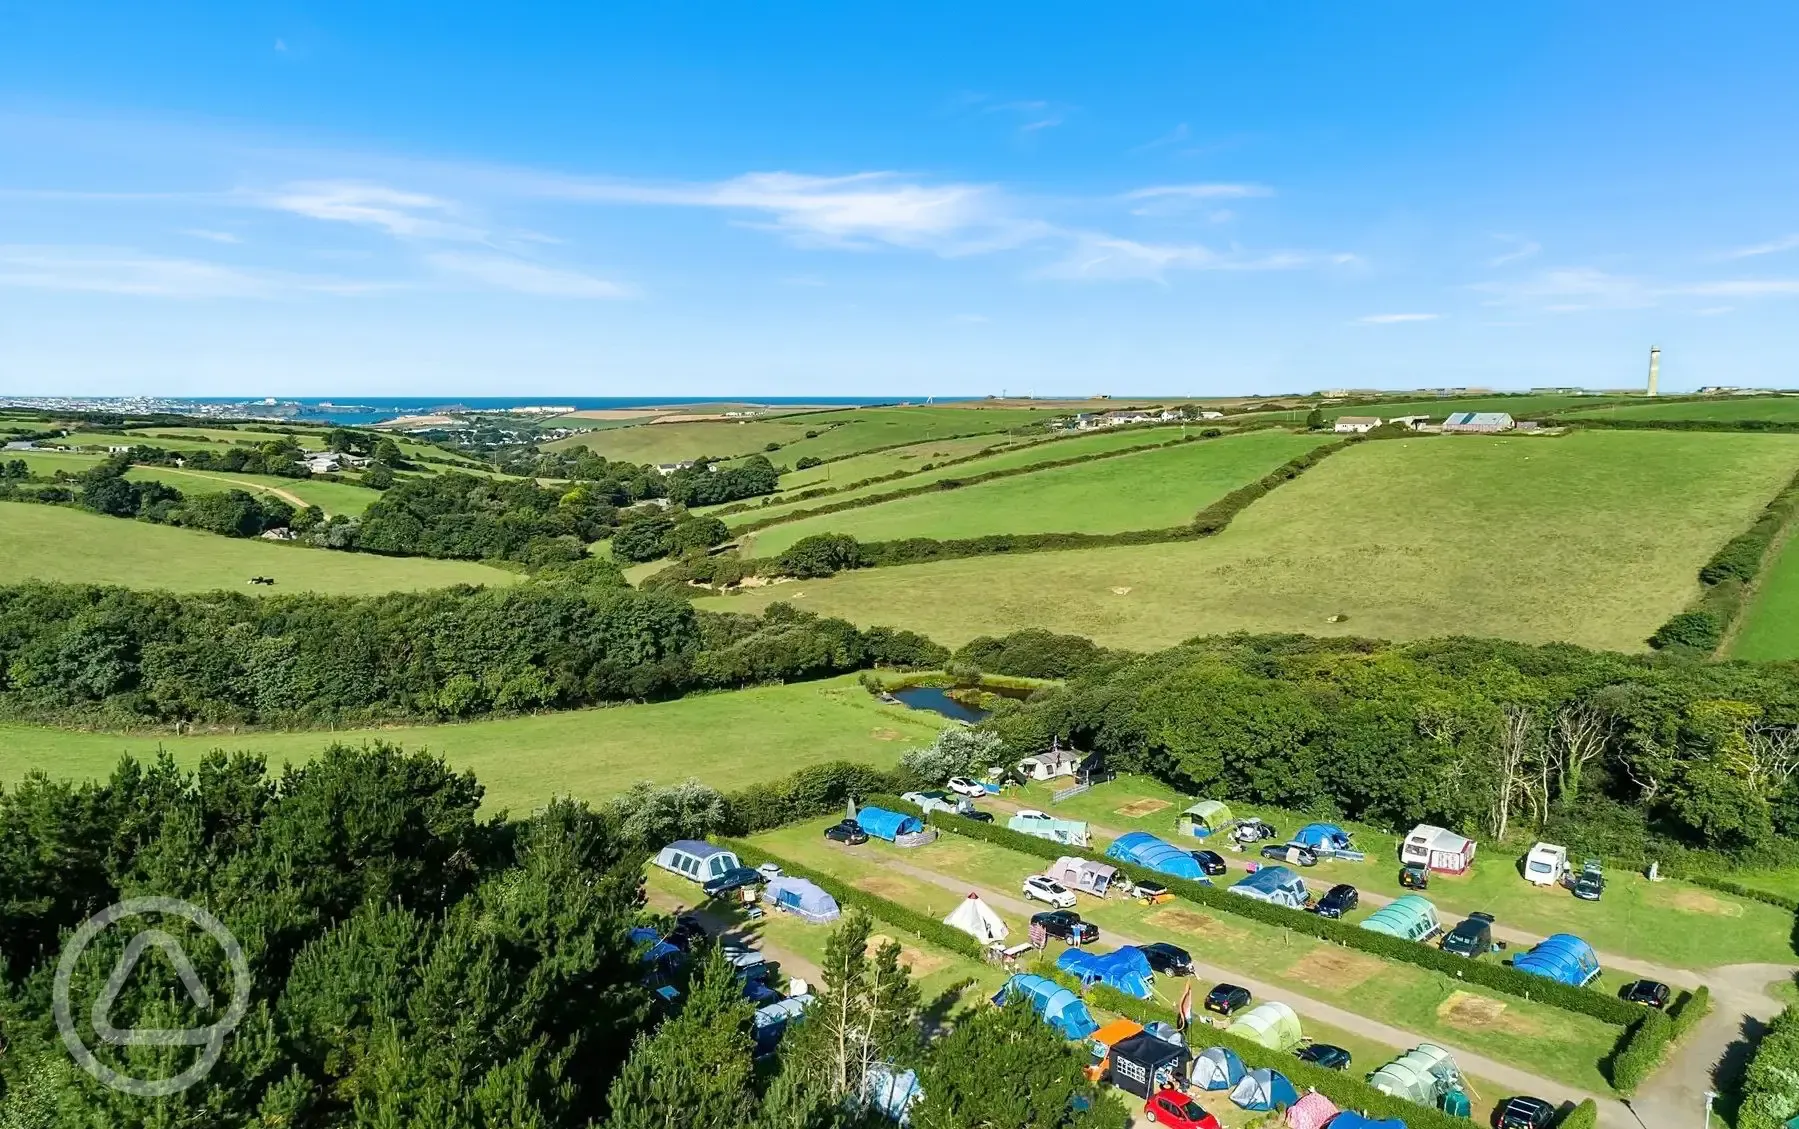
(829, 199)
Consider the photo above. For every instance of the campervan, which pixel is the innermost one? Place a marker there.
(1546, 864)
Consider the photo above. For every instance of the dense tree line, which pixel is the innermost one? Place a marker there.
(1635, 756)
(122, 657)
(104, 489)
(624, 483)
(713, 482)
(454, 515)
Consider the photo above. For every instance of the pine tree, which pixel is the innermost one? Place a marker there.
(696, 1069)
(1003, 1068)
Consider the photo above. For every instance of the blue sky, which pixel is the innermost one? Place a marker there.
(324, 199)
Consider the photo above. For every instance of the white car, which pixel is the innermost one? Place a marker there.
(1048, 890)
(963, 786)
(1030, 813)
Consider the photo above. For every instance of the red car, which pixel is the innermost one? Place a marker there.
(1175, 1109)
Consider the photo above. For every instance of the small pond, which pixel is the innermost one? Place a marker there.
(937, 700)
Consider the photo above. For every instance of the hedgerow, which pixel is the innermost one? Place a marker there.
(1726, 579)
(1647, 1041)
(1771, 1082)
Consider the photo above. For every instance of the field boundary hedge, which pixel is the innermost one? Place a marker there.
(1771, 1080)
(1583, 1001)
(1602, 424)
(1728, 579)
(1726, 886)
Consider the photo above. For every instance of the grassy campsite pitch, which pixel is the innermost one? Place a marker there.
(58, 543)
(1593, 538)
(1143, 490)
(728, 740)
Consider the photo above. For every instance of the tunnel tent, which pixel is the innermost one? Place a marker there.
(976, 919)
(1056, 1005)
(697, 859)
(889, 825)
(1312, 1111)
(1562, 957)
(802, 898)
(1144, 849)
(1143, 1064)
(1068, 832)
(1274, 884)
(1216, 1068)
(1271, 1024)
(1126, 970)
(1410, 918)
(1422, 1075)
(1204, 817)
(1263, 1090)
(1083, 874)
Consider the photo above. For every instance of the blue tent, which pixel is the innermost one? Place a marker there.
(888, 825)
(1263, 1090)
(1323, 837)
(1217, 1068)
(659, 950)
(1144, 849)
(1275, 884)
(1127, 969)
(1562, 957)
(1349, 1119)
(772, 1019)
(1057, 1006)
(801, 898)
(892, 1091)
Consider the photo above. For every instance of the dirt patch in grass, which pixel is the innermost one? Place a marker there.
(1482, 1013)
(885, 734)
(921, 963)
(1188, 921)
(1333, 967)
(1698, 901)
(1137, 809)
(883, 886)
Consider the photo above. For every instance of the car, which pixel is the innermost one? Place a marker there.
(1031, 813)
(978, 816)
(918, 798)
(687, 932)
(1296, 853)
(1173, 1108)
(1414, 876)
(1472, 937)
(963, 786)
(1327, 1055)
(731, 880)
(1523, 1113)
(1167, 959)
(1253, 831)
(1041, 889)
(1589, 884)
(769, 871)
(848, 831)
(1066, 925)
(1649, 993)
(1339, 900)
(1211, 863)
(1227, 998)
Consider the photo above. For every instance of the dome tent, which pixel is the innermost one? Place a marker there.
(1146, 850)
(974, 918)
(1325, 838)
(1217, 1068)
(1562, 957)
(888, 825)
(1350, 1119)
(1272, 1024)
(1263, 1090)
(1311, 1111)
(1056, 1005)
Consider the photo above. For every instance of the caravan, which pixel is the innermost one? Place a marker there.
(1546, 865)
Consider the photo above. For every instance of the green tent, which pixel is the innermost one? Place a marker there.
(1272, 1025)
(1409, 918)
(1206, 817)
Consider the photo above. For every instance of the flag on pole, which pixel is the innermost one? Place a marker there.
(1184, 1010)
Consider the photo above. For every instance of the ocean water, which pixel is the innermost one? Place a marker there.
(362, 410)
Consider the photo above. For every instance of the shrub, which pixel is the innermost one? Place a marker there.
(807, 794)
(1699, 630)
(643, 538)
(697, 534)
(807, 462)
(1583, 1116)
(1771, 1082)
(822, 554)
(1032, 653)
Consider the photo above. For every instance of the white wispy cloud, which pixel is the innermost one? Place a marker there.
(115, 270)
(1200, 191)
(1772, 247)
(1577, 289)
(527, 278)
(1743, 287)
(396, 211)
(211, 236)
(1096, 256)
(1521, 249)
(1176, 136)
(1395, 319)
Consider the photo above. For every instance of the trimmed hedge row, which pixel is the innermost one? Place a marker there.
(920, 925)
(1583, 1116)
(1771, 1081)
(1500, 978)
(806, 794)
(1603, 424)
(1646, 1043)
(1726, 886)
(1727, 576)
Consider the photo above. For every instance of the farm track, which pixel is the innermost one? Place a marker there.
(1708, 1057)
(1612, 1113)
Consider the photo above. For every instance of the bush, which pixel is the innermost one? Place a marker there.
(822, 554)
(1583, 1116)
(807, 794)
(1699, 630)
(1771, 1082)
(643, 538)
(807, 462)
(696, 535)
(1032, 653)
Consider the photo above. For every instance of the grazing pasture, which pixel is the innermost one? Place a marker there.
(1593, 538)
(1770, 625)
(1521, 407)
(40, 542)
(1784, 409)
(909, 458)
(728, 740)
(1145, 490)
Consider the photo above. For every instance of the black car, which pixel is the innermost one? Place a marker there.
(1227, 998)
(978, 816)
(1523, 1113)
(1169, 960)
(1325, 1055)
(1472, 937)
(1211, 863)
(1066, 925)
(1342, 898)
(734, 879)
(847, 831)
(1295, 853)
(1650, 993)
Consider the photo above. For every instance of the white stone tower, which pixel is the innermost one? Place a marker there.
(1655, 368)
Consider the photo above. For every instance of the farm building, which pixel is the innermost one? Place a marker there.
(1051, 764)
(1274, 884)
(1083, 874)
(1562, 957)
(1423, 1074)
(696, 859)
(1069, 832)
(1054, 1004)
(1409, 918)
(1126, 970)
(1356, 425)
(1143, 1064)
(1216, 1068)
(976, 919)
(1273, 1025)
(889, 825)
(1478, 423)
(805, 900)
(1203, 818)
(1144, 849)
(1437, 848)
(1263, 1090)
(1411, 422)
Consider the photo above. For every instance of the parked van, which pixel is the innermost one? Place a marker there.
(697, 860)
(1546, 864)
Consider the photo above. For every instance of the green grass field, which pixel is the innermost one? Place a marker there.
(57, 543)
(1520, 406)
(1770, 624)
(679, 442)
(1595, 539)
(908, 458)
(1545, 1040)
(1730, 408)
(1147, 490)
(1668, 922)
(332, 497)
(1013, 457)
(728, 740)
